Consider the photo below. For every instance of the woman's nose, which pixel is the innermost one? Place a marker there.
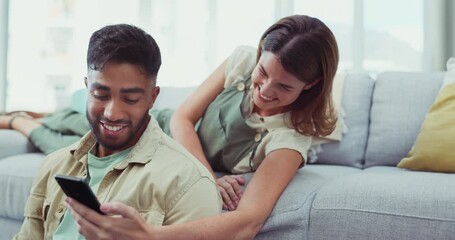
(266, 88)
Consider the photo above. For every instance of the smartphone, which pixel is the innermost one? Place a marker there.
(79, 190)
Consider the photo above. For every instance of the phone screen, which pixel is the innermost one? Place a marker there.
(79, 190)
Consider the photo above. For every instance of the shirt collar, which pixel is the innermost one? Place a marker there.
(270, 122)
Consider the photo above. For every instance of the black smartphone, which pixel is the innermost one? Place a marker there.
(79, 190)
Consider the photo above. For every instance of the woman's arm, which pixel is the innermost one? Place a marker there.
(261, 195)
(185, 117)
(256, 204)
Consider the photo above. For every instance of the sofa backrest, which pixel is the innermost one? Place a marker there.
(355, 102)
(382, 116)
(399, 105)
(172, 97)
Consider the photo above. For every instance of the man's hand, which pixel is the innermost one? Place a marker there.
(230, 190)
(120, 221)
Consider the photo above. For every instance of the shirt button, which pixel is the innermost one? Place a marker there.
(257, 137)
(60, 209)
(39, 211)
(241, 87)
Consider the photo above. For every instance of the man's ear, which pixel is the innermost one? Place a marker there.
(155, 92)
(85, 81)
(310, 85)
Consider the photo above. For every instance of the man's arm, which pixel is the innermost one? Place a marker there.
(200, 200)
(197, 202)
(33, 225)
(259, 198)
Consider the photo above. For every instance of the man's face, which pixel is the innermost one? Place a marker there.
(119, 98)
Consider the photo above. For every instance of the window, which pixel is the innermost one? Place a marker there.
(393, 35)
(339, 17)
(46, 52)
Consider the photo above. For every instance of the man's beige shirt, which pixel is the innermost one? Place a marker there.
(158, 178)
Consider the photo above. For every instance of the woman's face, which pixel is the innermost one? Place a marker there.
(274, 87)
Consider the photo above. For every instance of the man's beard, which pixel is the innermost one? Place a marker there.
(96, 127)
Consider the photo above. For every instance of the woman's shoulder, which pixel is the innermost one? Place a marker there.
(243, 51)
(240, 65)
(281, 132)
(287, 138)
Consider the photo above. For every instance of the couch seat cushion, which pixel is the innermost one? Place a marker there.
(385, 203)
(16, 178)
(292, 210)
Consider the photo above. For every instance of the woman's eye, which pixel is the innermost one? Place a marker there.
(261, 71)
(286, 88)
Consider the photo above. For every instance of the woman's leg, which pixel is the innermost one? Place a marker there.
(22, 124)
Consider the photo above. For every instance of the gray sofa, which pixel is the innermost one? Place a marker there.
(353, 191)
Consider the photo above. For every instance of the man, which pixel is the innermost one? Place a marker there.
(125, 158)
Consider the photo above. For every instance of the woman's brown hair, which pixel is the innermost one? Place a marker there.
(308, 50)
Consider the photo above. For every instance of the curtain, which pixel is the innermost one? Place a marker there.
(3, 51)
(439, 34)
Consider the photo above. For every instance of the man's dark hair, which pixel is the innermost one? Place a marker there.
(123, 43)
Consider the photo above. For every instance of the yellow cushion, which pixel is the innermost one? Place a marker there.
(434, 149)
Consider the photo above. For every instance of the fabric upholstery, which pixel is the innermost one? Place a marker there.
(356, 102)
(16, 176)
(434, 147)
(385, 203)
(450, 74)
(325, 201)
(14, 143)
(291, 213)
(172, 97)
(9, 227)
(400, 103)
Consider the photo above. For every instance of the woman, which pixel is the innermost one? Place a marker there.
(254, 113)
(252, 108)
(49, 132)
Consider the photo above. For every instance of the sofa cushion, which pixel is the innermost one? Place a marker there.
(356, 101)
(16, 178)
(433, 149)
(450, 74)
(172, 97)
(291, 213)
(13, 143)
(400, 103)
(385, 203)
(9, 228)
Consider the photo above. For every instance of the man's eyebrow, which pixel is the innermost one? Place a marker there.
(132, 90)
(99, 86)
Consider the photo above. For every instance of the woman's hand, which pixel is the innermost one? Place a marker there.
(230, 190)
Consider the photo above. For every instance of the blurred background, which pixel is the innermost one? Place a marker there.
(43, 43)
